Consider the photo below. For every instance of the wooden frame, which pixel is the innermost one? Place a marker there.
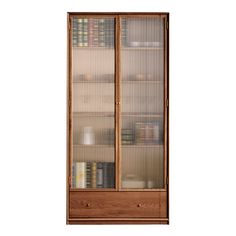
(135, 192)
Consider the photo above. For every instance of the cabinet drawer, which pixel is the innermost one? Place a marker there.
(117, 204)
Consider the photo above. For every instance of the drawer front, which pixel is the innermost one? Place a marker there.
(117, 204)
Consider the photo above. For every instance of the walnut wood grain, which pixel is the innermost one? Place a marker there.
(118, 204)
(118, 221)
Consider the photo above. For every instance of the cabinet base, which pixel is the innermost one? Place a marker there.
(118, 221)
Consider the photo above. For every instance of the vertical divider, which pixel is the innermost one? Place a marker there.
(117, 102)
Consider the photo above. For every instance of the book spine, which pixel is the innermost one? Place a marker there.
(88, 175)
(99, 175)
(80, 179)
(105, 175)
(73, 175)
(111, 175)
(80, 32)
(101, 33)
(93, 175)
(74, 32)
(90, 32)
(85, 32)
(124, 32)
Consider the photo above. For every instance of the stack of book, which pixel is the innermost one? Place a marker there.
(127, 136)
(93, 175)
(124, 32)
(93, 32)
(147, 132)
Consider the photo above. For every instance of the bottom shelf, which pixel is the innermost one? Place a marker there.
(93, 174)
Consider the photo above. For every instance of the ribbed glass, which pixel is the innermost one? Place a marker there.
(93, 102)
(142, 71)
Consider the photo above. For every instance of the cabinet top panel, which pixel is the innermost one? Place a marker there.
(118, 13)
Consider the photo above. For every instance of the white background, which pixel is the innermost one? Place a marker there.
(33, 117)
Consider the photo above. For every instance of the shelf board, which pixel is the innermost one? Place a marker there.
(94, 82)
(121, 189)
(92, 189)
(147, 115)
(142, 48)
(123, 114)
(123, 146)
(95, 114)
(142, 146)
(142, 81)
(93, 146)
(111, 114)
(123, 48)
(123, 81)
(93, 48)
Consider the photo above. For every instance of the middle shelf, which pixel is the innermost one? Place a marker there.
(112, 146)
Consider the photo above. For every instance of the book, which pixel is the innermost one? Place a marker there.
(111, 171)
(127, 136)
(108, 175)
(93, 175)
(88, 174)
(73, 175)
(100, 173)
(80, 174)
(93, 32)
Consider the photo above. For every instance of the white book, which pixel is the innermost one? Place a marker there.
(80, 175)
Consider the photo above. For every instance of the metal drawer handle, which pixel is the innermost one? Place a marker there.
(139, 205)
(87, 205)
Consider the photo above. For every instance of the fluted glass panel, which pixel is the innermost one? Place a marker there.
(142, 66)
(93, 102)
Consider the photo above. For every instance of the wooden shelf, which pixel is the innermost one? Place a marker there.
(123, 48)
(111, 114)
(94, 114)
(147, 115)
(142, 48)
(141, 81)
(121, 189)
(95, 82)
(92, 189)
(93, 48)
(123, 146)
(142, 146)
(123, 81)
(93, 146)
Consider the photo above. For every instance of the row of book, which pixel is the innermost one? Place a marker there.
(93, 175)
(124, 32)
(148, 132)
(93, 32)
(142, 133)
(127, 136)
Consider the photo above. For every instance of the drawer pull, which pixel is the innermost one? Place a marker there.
(139, 205)
(87, 205)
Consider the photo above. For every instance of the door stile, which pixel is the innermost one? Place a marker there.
(117, 101)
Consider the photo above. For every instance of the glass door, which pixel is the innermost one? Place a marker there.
(142, 110)
(93, 60)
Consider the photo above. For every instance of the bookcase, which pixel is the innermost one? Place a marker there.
(117, 118)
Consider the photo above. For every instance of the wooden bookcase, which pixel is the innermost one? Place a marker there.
(117, 118)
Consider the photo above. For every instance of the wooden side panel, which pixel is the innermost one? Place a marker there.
(118, 204)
